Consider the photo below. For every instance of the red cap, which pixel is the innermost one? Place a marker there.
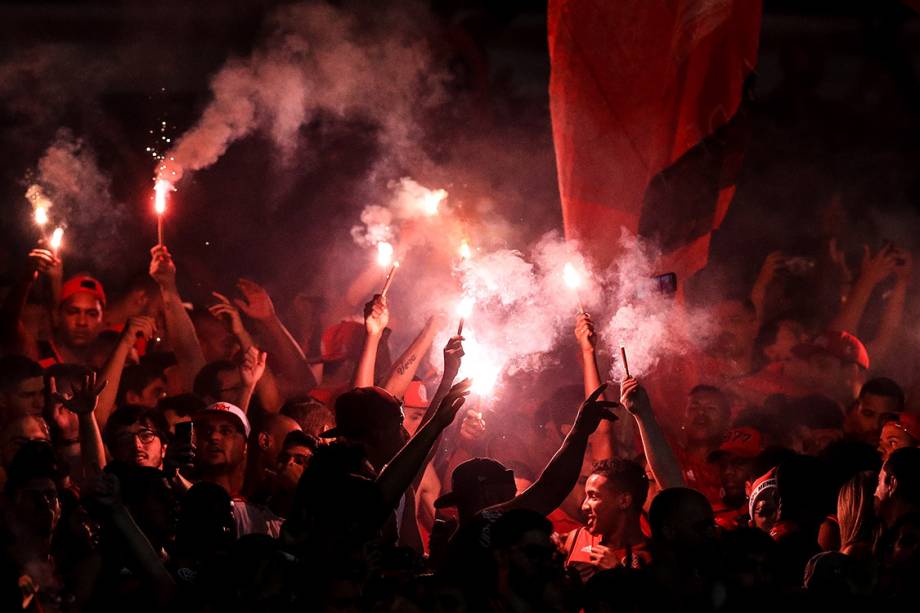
(341, 341)
(416, 396)
(744, 442)
(842, 345)
(82, 283)
(907, 422)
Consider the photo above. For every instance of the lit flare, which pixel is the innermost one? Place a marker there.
(57, 237)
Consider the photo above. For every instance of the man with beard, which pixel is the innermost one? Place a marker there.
(705, 425)
(880, 400)
(612, 537)
(221, 433)
(137, 435)
(735, 461)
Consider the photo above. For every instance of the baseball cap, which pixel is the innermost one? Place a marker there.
(225, 408)
(762, 487)
(471, 475)
(839, 344)
(364, 410)
(906, 422)
(744, 442)
(342, 340)
(416, 396)
(83, 283)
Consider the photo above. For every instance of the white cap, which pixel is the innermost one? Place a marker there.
(232, 409)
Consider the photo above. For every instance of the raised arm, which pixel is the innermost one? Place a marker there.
(179, 328)
(398, 475)
(561, 474)
(288, 360)
(16, 337)
(407, 364)
(771, 265)
(658, 452)
(893, 314)
(115, 364)
(82, 401)
(875, 269)
(602, 441)
(376, 317)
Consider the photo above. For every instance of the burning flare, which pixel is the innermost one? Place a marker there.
(480, 366)
(56, 238)
(571, 276)
(384, 254)
(41, 216)
(431, 201)
(465, 251)
(160, 189)
(465, 307)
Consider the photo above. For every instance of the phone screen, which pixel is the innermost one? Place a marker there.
(184, 432)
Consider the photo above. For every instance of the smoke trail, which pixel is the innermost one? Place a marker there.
(317, 58)
(650, 325)
(69, 177)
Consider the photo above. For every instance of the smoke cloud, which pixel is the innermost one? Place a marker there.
(318, 59)
(70, 184)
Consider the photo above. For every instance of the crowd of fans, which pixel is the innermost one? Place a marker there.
(155, 454)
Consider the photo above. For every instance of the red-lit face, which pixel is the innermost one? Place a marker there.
(138, 444)
(893, 438)
(707, 416)
(866, 419)
(26, 398)
(221, 443)
(79, 319)
(149, 396)
(604, 505)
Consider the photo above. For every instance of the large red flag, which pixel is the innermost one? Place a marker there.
(635, 85)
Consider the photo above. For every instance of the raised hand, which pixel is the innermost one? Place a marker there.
(227, 313)
(633, 396)
(253, 366)
(879, 266)
(162, 267)
(453, 356)
(139, 327)
(593, 410)
(584, 332)
(83, 398)
(256, 303)
(43, 261)
(376, 315)
(447, 409)
(473, 427)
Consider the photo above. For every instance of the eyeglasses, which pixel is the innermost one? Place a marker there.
(144, 435)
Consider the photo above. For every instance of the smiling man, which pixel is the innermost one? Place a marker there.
(612, 536)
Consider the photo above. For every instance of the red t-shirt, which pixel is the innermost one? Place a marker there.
(578, 545)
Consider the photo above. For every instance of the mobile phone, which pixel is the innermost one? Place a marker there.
(185, 431)
(666, 284)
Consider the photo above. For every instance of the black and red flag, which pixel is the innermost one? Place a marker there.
(643, 95)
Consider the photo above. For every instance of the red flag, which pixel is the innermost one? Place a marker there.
(635, 85)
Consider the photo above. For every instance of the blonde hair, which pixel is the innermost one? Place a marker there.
(856, 511)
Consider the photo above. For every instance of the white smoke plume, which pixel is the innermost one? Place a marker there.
(68, 176)
(650, 325)
(317, 59)
(408, 200)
